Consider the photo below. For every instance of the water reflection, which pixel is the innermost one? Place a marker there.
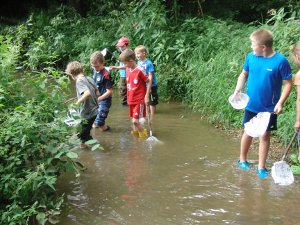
(136, 176)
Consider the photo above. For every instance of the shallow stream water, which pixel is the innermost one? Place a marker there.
(191, 178)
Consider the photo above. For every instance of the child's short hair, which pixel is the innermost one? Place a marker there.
(97, 57)
(263, 37)
(296, 49)
(74, 68)
(127, 56)
(141, 48)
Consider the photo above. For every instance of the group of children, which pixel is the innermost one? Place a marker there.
(265, 71)
(138, 89)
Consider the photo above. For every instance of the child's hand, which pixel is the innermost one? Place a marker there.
(297, 126)
(236, 94)
(112, 67)
(278, 108)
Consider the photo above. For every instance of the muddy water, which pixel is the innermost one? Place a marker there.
(189, 179)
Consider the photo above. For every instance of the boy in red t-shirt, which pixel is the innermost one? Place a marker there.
(137, 91)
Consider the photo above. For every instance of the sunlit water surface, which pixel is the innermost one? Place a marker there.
(191, 178)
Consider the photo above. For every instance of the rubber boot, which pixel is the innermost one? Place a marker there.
(134, 132)
(143, 134)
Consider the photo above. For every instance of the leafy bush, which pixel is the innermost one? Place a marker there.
(33, 139)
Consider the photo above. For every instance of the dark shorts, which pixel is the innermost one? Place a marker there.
(153, 96)
(248, 115)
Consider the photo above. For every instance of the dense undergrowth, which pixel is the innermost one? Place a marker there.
(197, 59)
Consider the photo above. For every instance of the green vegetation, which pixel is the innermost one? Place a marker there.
(34, 141)
(197, 59)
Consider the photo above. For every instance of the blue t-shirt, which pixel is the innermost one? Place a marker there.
(265, 80)
(123, 71)
(148, 67)
(103, 81)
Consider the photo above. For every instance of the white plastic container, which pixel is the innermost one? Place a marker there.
(239, 101)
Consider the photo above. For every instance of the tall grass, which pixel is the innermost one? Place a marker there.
(215, 71)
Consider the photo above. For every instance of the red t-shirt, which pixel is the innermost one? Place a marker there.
(136, 85)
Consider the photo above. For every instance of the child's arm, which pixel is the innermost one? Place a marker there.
(297, 83)
(106, 94)
(97, 93)
(83, 97)
(287, 88)
(149, 85)
(297, 123)
(117, 67)
(240, 82)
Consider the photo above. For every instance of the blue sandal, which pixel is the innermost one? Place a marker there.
(262, 173)
(243, 165)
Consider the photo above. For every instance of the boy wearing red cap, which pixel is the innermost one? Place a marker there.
(122, 45)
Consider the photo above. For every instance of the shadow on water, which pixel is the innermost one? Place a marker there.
(189, 179)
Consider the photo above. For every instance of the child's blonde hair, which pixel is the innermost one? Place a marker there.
(97, 57)
(263, 37)
(127, 56)
(141, 48)
(296, 49)
(74, 68)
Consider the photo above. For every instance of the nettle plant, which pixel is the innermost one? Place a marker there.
(34, 142)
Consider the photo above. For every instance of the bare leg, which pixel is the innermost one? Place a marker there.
(137, 125)
(264, 144)
(152, 111)
(245, 145)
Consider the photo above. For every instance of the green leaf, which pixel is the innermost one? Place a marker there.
(294, 158)
(72, 155)
(91, 142)
(95, 147)
(57, 156)
(40, 217)
(79, 165)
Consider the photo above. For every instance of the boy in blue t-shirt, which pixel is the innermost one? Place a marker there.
(104, 84)
(148, 67)
(265, 71)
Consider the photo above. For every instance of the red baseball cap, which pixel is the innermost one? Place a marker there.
(122, 41)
